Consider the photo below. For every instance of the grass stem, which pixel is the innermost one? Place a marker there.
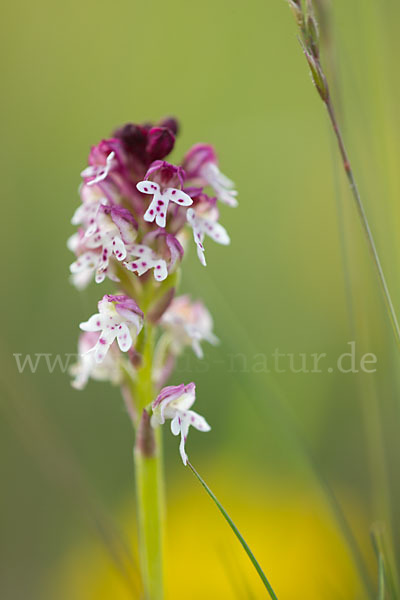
(236, 531)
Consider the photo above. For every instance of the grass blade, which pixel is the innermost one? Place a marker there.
(381, 578)
(236, 531)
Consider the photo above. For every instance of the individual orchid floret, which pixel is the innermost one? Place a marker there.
(174, 402)
(114, 229)
(201, 164)
(87, 262)
(87, 368)
(97, 173)
(206, 224)
(145, 259)
(86, 213)
(120, 318)
(163, 177)
(188, 323)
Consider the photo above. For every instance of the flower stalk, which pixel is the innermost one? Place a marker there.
(309, 40)
(150, 506)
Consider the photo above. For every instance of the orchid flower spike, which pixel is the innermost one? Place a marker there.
(174, 402)
(120, 318)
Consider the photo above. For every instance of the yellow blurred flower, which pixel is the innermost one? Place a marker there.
(291, 531)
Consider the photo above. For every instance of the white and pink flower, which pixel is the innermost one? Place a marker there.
(110, 231)
(204, 224)
(174, 402)
(87, 368)
(201, 164)
(119, 318)
(163, 177)
(188, 323)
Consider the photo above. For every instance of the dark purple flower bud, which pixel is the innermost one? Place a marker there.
(134, 139)
(160, 142)
(171, 123)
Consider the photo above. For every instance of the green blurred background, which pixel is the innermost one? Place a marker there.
(297, 277)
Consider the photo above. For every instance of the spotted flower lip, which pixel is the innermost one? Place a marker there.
(145, 259)
(161, 198)
(119, 318)
(174, 402)
(110, 229)
(89, 261)
(203, 225)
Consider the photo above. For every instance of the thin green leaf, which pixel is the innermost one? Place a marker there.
(386, 572)
(237, 533)
(381, 578)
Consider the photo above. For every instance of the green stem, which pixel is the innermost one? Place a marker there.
(364, 222)
(150, 508)
(149, 479)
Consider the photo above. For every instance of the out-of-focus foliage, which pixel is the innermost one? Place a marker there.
(235, 76)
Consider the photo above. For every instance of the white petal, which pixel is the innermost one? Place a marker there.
(95, 323)
(118, 247)
(87, 260)
(216, 232)
(197, 349)
(105, 340)
(197, 421)
(227, 197)
(79, 215)
(200, 254)
(160, 270)
(150, 213)
(184, 432)
(124, 337)
(177, 196)
(161, 216)
(148, 187)
(138, 266)
(176, 424)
